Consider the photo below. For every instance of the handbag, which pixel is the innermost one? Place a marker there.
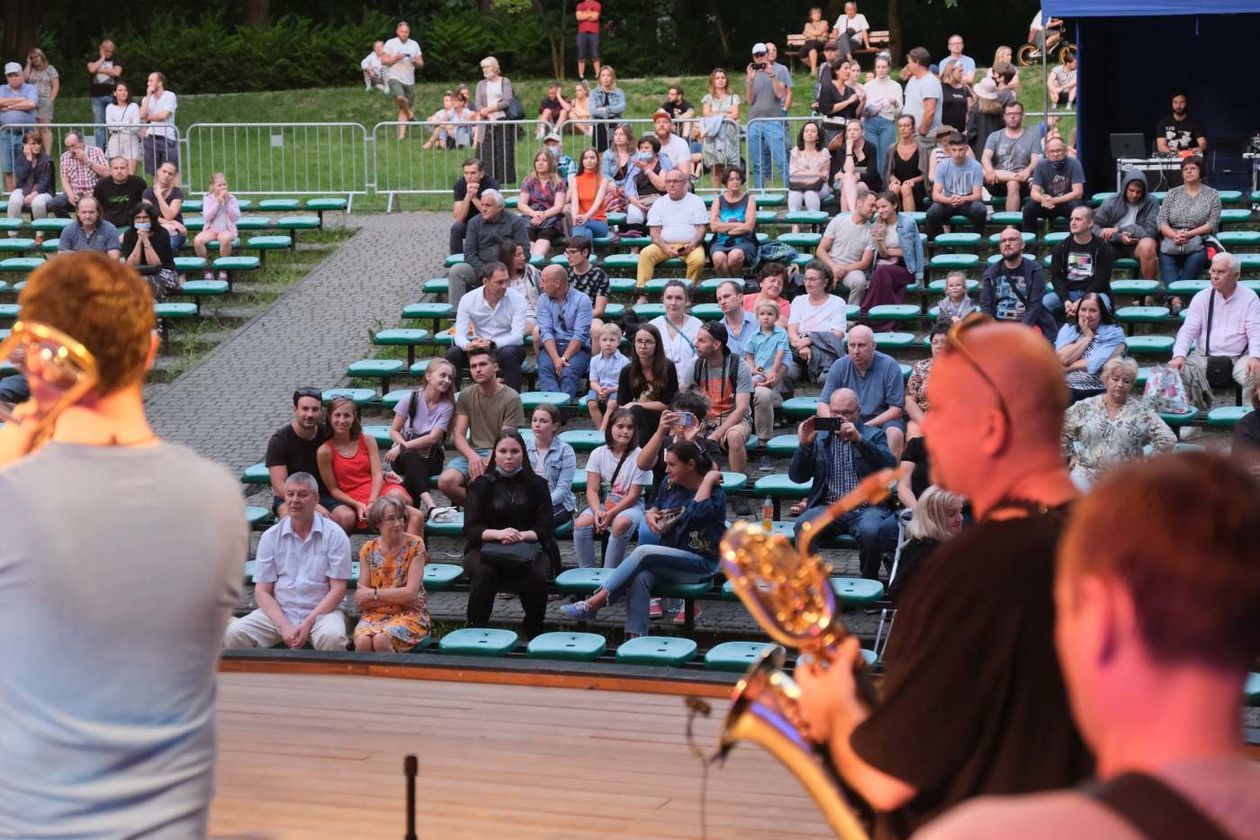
(1172, 249)
(514, 110)
(1220, 369)
(806, 186)
(510, 557)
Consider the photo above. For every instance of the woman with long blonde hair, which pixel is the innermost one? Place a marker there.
(421, 420)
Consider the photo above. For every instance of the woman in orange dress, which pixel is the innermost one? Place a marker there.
(393, 612)
(350, 465)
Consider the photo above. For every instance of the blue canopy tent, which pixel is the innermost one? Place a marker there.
(1134, 53)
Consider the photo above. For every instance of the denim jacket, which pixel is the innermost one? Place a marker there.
(911, 245)
(607, 104)
(558, 469)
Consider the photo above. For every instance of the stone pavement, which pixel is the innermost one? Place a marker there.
(227, 406)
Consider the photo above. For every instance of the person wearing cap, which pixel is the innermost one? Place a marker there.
(17, 111)
(565, 164)
(831, 54)
(764, 93)
(673, 147)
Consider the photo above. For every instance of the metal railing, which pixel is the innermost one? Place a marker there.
(113, 140)
(428, 158)
(289, 159)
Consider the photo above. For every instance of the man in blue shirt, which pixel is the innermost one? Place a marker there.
(17, 111)
(564, 328)
(876, 378)
(1058, 186)
(956, 190)
(88, 231)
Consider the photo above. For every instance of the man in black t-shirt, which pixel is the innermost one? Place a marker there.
(973, 701)
(1079, 265)
(1179, 132)
(292, 449)
(120, 194)
(467, 194)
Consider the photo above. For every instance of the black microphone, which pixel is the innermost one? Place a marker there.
(411, 767)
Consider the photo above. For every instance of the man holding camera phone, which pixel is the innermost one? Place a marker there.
(836, 453)
(765, 93)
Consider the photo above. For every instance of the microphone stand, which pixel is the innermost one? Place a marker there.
(410, 769)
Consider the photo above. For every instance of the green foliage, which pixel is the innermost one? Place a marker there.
(212, 56)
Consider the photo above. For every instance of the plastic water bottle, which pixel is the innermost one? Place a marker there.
(767, 515)
(605, 494)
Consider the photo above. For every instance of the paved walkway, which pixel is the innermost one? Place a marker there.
(229, 404)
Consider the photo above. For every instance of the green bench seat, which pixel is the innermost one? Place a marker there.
(190, 263)
(583, 440)
(382, 369)
(779, 486)
(279, 204)
(402, 337)
(1006, 218)
(1150, 345)
(16, 245)
(938, 286)
(800, 407)
(616, 261)
(20, 265)
(800, 240)
(953, 261)
(256, 474)
(670, 651)
(1226, 416)
(452, 526)
(736, 656)
(532, 399)
(893, 340)
(379, 433)
(479, 641)
(956, 240)
(894, 312)
(582, 647)
(439, 576)
(296, 223)
(1029, 238)
(1134, 288)
(253, 223)
(1142, 314)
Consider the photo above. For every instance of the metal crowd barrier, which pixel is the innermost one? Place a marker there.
(108, 138)
(428, 158)
(289, 159)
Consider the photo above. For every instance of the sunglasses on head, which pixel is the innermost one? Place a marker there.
(307, 392)
(955, 337)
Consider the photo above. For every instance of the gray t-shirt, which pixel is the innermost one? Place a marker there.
(1011, 154)
(849, 241)
(764, 103)
(119, 569)
(1226, 790)
(917, 90)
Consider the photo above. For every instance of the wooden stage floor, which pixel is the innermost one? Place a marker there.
(312, 756)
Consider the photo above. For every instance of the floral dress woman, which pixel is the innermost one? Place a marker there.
(404, 624)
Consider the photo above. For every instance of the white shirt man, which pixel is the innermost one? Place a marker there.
(854, 23)
(1235, 325)
(403, 56)
(301, 572)
(492, 314)
(677, 221)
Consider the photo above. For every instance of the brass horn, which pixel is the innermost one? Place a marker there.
(788, 591)
(59, 371)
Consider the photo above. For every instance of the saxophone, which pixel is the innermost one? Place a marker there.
(58, 369)
(788, 591)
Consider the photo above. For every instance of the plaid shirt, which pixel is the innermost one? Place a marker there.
(841, 474)
(78, 173)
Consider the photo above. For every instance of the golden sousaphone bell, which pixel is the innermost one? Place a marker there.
(788, 591)
(59, 370)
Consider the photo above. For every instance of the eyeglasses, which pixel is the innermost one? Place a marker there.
(955, 337)
(573, 250)
(307, 392)
(644, 342)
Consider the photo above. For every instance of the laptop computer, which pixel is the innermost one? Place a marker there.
(1129, 146)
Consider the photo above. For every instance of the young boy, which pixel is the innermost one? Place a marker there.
(956, 305)
(551, 110)
(766, 351)
(442, 137)
(373, 69)
(605, 372)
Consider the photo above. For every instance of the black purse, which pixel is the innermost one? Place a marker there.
(510, 557)
(1220, 369)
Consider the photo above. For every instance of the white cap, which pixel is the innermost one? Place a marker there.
(758, 48)
(555, 135)
(12, 67)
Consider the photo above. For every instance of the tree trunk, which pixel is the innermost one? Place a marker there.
(895, 45)
(257, 13)
(715, 9)
(21, 26)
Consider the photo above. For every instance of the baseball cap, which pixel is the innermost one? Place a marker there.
(555, 135)
(661, 112)
(758, 48)
(12, 67)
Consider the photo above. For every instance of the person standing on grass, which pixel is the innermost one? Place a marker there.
(158, 110)
(108, 710)
(105, 74)
(587, 14)
(401, 57)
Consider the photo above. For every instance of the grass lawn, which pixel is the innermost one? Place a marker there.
(341, 158)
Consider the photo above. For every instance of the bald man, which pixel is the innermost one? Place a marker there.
(564, 328)
(876, 378)
(835, 461)
(973, 700)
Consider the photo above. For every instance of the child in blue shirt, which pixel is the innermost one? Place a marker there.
(767, 349)
(605, 371)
